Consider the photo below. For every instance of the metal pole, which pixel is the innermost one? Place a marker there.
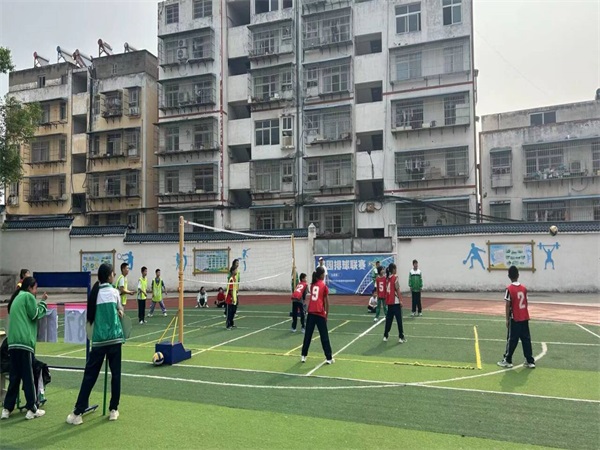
(180, 312)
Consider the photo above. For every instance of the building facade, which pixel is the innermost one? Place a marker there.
(542, 164)
(91, 152)
(348, 115)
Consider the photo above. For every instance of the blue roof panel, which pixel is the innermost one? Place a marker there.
(38, 224)
(499, 228)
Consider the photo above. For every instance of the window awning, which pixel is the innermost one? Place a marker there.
(200, 163)
(501, 149)
(561, 199)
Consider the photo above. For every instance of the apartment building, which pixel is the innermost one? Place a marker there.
(348, 115)
(542, 164)
(95, 142)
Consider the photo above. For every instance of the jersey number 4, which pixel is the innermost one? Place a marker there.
(315, 294)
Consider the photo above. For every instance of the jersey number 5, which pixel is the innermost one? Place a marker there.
(315, 294)
(521, 298)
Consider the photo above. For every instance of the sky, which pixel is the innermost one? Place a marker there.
(529, 53)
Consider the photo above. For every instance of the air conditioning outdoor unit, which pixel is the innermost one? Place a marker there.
(13, 200)
(287, 142)
(182, 54)
(134, 111)
(182, 43)
(370, 207)
(184, 98)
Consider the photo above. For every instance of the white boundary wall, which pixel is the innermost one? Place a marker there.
(576, 261)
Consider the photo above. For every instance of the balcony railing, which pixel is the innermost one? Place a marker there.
(272, 41)
(45, 189)
(327, 126)
(49, 151)
(188, 95)
(113, 185)
(431, 112)
(329, 173)
(328, 79)
(432, 165)
(328, 29)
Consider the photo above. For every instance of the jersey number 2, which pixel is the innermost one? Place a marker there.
(521, 298)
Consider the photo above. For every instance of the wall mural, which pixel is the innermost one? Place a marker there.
(126, 258)
(474, 256)
(178, 259)
(549, 249)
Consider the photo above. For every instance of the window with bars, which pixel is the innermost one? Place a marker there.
(40, 189)
(337, 172)
(314, 218)
(171, 181)
(408, 113)
(95, 147)
(538, 160)
(408, 18)
(287, 174)
(132, 142)
(265, 86)
(203, 92)
(200, 47)
(596, 158)
(453, 59)
(286, 81)
(202, 8)
(264, 42)
(546, 211)
(452, 11)
(312, 77)
(172, 139)
(113, 219)
(267, 176)
(338, 220)
(500, 210)
(113, 144)
(63, 110)
(133, 221)
(336, 29)
(171, 223)
(62, 149)
(454, 106)
(172, 96)
(113, 185)
(172, 13)
(94, 186)
(133, 95)
(204, 179)
(336, 79)
(203, 136)
(40, 151)
(408, 66)
(267, 132)
(132, 184)
(171, 47)
(265, 219)
(501, 165)
(45, 114)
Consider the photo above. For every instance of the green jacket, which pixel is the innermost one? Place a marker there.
(107, 325)
(415, 280)
(25, 311)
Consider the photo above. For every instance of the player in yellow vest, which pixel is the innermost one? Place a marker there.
(142, 291)
(121, 284)
(158, 287)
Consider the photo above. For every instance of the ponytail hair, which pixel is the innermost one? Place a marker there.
(317, 274)
(104, 272)
(27, 283)
(390, 269)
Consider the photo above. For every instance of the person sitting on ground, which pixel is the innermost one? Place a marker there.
(220, 301)
(202, 299)
(372, 306)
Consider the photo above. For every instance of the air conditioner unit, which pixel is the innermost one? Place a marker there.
(182, 43)
(275, 95)
(134, 111)
(184, 98)
(287, 142)
(575, 167)
(13, 200)
(182, 54)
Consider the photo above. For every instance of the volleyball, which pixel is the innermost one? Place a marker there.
(553, 230)
(158, 359)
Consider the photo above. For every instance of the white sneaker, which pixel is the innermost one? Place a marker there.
(165, 314)
(330, 361)
(5, 414)
(303, 359)
(74, 419)
(114, 414)
(197, 306)
(150, 315)
(420, 314)
(529, 365)
(412, 314)
(141, 322)
(32, 415)
(375, 319)
(505, 364)
(303, 330)
(293, 330)
(402, 340)
(384, 339)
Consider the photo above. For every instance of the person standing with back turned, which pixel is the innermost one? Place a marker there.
(318, 309)
(517, 321)
(393, 300)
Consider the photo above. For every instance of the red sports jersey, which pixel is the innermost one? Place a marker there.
(231, 293)
(380, 285)
(299, 291)
(221, 297)
(318, 291)
(390, 293)
(516, 294)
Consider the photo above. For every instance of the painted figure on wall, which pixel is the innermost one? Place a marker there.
(127, 258)
(244, 257)
(474, 255)
(549, 249)
(178, 260)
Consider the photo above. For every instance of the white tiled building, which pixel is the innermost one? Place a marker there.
(279, 113)
(542, 164)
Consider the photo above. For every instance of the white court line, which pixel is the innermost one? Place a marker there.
(337, 388)
(345, 346)
(537, 357)
(68, 353)
(162, 331)
(589, 331)
(239, 337)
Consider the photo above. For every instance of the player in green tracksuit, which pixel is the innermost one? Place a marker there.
(25, 311)
(415, 283)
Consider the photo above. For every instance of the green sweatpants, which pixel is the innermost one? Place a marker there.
(380, 303)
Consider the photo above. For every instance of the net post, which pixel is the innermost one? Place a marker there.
(180, 290)
(293, 263)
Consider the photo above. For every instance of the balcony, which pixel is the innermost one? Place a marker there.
(187, 183)
(238, 42)
(372, 116)
(329, 175)
(190, 48)
(191, 95)
(271, 41)
(240, 132)
(238, 87)
(47, 150)
(45, 189)
(328, 79)
(80, 104)
(329, 29)
(272, 87)
(369, 167)
(79, 144)
(118, 144)
(447, 165)
(272, 178)
(111, 104)
(186, 137)
(265, 218)
(113, 185)
(363, 67)
(560, 161)
(328, 125)
(430, 113)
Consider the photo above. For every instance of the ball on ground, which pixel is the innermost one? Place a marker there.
(553, 230)
(158, 358)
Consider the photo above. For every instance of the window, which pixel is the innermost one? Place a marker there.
(113, 103)
(203, 136)
(202, 8)
(40, 189)
(202, 93)
(267, 132)
(409, 113)
(41, 81)
(408, 18)
(501, 162)
(265, 86)
(40, 151)
(132, 142)
(113, 145)
(500, 210)
(314, 218)
(113, 219)
(288, 4)
(337, 172)
(113, 185)
(336, 29)
(172, 139)
(408, 66)
(95, 150)
(133, 221)
(453, 59)
(543, 118)
(114, 69)
(456, 163)
(287, 218)
(265, 220)
(287, 126)
(94, 186)
(312, 78)
(286, 81)
(96, 105)
(287, 173)
(172, 13)
(540, 161)
(171, 223)
(264, 6)
(336, 79)
(546, 212)
(452, 111)
(204, 218)
(267, 176)
(134, 98)
(171, 51)
(62, 149)
(172, 96)
(171, 181)
(204, 179)
(596, 158)
(13, 189)
(63, 110)
(200, 47)
(45, 114)
(131, 184)
(452, 12)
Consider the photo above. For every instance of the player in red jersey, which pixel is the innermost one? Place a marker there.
(380, 283)
(393, 299)
(517, 321)
(298, 298)
(318, 308)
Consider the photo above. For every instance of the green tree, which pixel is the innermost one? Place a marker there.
(18, 123)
